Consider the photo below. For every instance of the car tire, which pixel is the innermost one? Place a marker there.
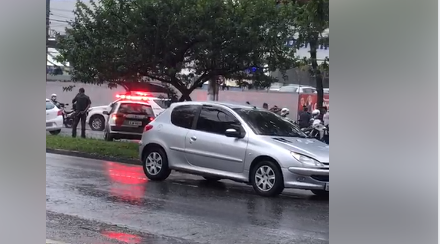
(274, 177)
(97, 123)
(321, 193)
(155, 164)
(211, 178)
(108, 136)
(55, 132)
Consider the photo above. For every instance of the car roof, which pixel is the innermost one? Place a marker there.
(230, 105)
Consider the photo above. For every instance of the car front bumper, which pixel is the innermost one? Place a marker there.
(306, 178)
(54, 124)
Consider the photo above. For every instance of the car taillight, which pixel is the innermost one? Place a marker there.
(60, 113)
(151, 119)
(147, 128)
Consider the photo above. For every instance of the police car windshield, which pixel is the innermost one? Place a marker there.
(135, 108)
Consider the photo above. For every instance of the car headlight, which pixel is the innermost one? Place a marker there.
(307, 161)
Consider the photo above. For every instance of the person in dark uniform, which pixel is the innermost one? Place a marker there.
(304, 118)
(82, 104)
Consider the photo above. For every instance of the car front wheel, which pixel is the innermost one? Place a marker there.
(55, 132)
(155, 164)
(320, 193)
(267, 179)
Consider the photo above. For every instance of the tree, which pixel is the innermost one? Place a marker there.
(311, 20)
(119, 40)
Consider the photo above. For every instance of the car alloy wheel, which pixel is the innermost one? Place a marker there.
(265, 178)
(96, 123)
(153, 163)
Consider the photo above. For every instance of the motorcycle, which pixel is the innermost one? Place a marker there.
(68, 116)
(318, 131)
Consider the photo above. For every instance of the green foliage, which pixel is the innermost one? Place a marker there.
(311, 20)
(118, 40)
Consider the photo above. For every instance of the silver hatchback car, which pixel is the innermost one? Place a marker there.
(235, 142)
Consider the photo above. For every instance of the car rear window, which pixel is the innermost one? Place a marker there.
(163, 103)
(49, 105)
(135, 108)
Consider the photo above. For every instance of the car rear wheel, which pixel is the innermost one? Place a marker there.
(55, 132)
(321, 193)
(267, 179)
(108, 136)
(155, 164)
(97, 123)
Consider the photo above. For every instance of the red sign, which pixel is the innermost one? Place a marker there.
(311, 101)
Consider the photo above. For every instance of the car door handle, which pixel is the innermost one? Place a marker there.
(193, 138)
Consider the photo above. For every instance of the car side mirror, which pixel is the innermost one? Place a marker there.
(232, 133)
(105, 113)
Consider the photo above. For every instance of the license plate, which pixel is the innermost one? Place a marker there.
(326, 187)
(135, 123)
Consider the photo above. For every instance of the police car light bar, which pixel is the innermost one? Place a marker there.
(139, 97)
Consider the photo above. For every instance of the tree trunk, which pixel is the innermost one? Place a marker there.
(317, 72)
(213, 89)
(185, 96)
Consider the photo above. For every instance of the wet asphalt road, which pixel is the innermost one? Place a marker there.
(92, 201)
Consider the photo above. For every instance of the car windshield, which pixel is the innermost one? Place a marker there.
(266, 123)
(49, 105)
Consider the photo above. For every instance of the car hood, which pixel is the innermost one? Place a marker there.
(306, 146)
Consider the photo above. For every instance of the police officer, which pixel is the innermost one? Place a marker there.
(82, 104)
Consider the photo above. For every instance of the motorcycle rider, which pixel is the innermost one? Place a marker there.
(82, 103)
(284, 112)
(53, 98)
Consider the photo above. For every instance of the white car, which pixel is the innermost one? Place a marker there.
(54, 118)
(97, 120)
(298, 89)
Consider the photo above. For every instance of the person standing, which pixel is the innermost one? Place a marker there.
(82, 103)
(304, 118)
(265, 106)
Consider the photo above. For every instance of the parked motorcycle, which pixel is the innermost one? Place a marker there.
(68, 116)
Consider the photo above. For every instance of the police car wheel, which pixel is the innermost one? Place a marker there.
(97, 123)
(108, 136)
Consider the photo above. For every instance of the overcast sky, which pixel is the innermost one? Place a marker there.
(61, 11)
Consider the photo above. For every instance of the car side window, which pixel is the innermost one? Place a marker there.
(183, 116)
(216, 120)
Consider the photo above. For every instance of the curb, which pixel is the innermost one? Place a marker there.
(54, 242)
(93, 156)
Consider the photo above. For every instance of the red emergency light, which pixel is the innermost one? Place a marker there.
(137, 96)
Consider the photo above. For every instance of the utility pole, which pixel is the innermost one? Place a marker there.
(47, 31)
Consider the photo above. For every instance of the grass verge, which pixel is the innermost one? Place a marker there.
(115, 149)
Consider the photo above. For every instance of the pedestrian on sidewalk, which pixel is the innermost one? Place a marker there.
(82, 103)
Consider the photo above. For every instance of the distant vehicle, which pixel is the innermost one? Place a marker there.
(237, 142)
(128, 116)
(54, 118)
(97, 120)
(294, 88)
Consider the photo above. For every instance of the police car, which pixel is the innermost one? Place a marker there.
(97, 120)
(129, 115)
